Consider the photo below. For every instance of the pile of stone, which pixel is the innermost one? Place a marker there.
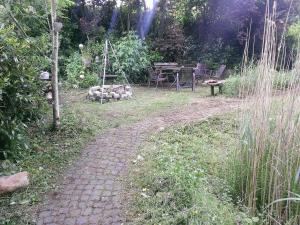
(110, 92)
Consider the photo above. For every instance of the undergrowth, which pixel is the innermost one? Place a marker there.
(180, 180)
(281, 80)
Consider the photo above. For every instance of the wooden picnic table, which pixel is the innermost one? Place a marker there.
(172, 69)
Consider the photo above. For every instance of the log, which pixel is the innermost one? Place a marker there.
(13, 182)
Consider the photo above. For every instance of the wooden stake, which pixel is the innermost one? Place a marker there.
(55, 46)
(104, 68)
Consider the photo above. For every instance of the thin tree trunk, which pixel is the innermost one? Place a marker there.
(128, 22)
(55, 46)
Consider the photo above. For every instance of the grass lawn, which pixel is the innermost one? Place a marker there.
(180, 180)
(51, 152)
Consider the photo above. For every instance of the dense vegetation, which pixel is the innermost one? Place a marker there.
(182, 177)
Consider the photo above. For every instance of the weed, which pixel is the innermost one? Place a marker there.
(180, 180)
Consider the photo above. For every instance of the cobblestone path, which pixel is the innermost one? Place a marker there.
(90, 190)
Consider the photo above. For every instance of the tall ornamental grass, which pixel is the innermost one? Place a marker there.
(265, 169)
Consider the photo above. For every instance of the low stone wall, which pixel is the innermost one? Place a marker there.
(110, 92)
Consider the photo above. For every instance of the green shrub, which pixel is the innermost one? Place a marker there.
(21, 98)
(232, 85)
(179, 180)
(75, 69)
(294, 31)
(131, 58)
(283, 80)
(237, 85)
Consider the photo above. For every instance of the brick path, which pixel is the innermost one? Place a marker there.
(90, 191)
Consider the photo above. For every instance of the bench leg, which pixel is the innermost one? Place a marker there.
(212, 90)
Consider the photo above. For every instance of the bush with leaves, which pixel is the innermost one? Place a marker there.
(77, 75)
(20, 91)
(237, 85)
(131, 58)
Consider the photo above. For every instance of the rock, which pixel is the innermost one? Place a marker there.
(44, 75)
(124, 96)
(129, 94)
(49, 96)
(161, 129)
(14, 182)
(110, 92)
(140, 158)
(116, 96)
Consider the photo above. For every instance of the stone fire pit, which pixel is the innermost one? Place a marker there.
(110, 92)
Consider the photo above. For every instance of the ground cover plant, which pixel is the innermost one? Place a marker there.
(240, 85)
(180, 180)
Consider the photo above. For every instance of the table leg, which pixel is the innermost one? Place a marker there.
(212, 90)
(221, 89)
(193, 82)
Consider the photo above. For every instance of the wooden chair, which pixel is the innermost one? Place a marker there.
(155, 76)
(219, 74)
(201, 72)
(186, 75)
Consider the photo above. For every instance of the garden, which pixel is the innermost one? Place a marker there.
(110, 113)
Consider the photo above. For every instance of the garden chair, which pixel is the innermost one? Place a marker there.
(201, 72)
(219, 74)
(186, 77)
(156, 77)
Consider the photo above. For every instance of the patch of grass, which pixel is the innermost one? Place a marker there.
(179, 182)
(242, 85)
(51, 152)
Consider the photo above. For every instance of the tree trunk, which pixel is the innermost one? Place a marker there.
(55, 46)
(14, 182)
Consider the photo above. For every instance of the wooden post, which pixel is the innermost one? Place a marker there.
(212, 90)
(104, 68)
(193, 82)
(54, 69)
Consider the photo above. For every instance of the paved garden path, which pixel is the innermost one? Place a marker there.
(91, 189)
